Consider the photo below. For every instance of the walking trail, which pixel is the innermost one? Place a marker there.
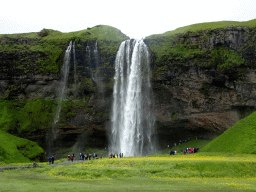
(32, 166)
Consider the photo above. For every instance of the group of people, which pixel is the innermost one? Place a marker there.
(71, 158)
(83, 156)
(121, 155)
(51, 160)
(189, 150)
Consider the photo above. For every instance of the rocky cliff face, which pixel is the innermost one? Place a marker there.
(200, 91)
(203, 83)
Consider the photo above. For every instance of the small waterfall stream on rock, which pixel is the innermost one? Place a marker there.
(52, 135)
(97, 76)
(132, 117)
(74, 57)
(63, 84)
(88, 54)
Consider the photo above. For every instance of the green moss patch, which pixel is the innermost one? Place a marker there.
(26, 118)
(14, 149)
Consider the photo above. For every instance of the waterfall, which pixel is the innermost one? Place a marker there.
(132, 117)
(51, 136)
(74, 57)
(64, 80)
(97, 76)
(88, 54)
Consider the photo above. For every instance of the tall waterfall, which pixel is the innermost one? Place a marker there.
(64, 80)
(74, 57)
(132, 117)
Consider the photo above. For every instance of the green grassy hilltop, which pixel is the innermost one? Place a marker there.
(205, 26)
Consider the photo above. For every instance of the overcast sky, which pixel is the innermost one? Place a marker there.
(136, 19)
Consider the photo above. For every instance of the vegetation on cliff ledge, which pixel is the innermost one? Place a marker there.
(204, 45)
(42, 52)
(194, 28)
(26, 118)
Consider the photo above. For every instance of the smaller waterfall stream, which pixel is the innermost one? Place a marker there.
(74, 57)
(51, 136)
(63, 83)
(97, 76)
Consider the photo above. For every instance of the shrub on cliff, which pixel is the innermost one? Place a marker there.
(241, 138)
(44, 32)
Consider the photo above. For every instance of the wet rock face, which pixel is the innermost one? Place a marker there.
(233, 37)
(193, 95)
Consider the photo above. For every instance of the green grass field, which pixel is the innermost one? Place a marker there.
(193, 172)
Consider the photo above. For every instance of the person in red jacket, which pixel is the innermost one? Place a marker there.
(72, 158)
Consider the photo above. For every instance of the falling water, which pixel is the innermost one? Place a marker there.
(97, 76)
(51, 136)
(132, 117)
(74, 56)
(64, 80)
(88, 54)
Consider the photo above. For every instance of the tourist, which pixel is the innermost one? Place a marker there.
(122, 155)
(69, 157)
(111, 155)
(52, 159)
(72, 158)
(80, 156)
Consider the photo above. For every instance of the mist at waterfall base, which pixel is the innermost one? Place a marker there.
(132, 121)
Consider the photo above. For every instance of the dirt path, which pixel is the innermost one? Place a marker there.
(23, 167)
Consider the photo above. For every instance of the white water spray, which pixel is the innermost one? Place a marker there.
(132, 117)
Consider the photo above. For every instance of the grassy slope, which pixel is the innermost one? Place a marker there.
(241, 138)
(206, 26)
(10, 153)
